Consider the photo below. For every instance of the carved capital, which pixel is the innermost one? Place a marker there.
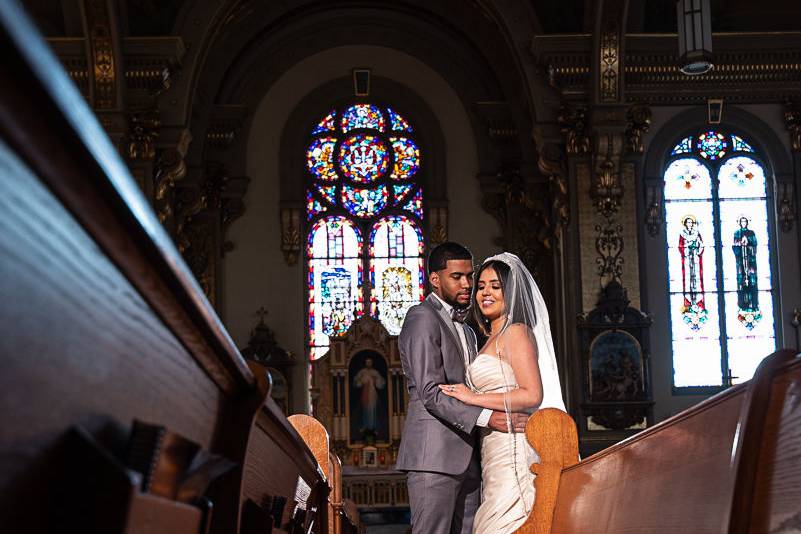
(144, 126)
(638, 122)
(523, 215)
(573, 125)
(792, 121)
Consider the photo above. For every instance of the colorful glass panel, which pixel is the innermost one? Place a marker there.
(718, 226)
(364, 202)
(741, 177)
(363, 158)
(363, 116)
(401, 191)
(313, 206)
(685, 146)
(739, 145)
(320, 158)
(398, 123)
(712, 145)
(687, 179)
(396, 270)
(407, 158)
(329, 193)
(335, 280)
(335, 252)
(328, 124)
(415, 205)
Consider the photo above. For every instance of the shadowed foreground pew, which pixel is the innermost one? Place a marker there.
(124, 404)
(731, 464)
(342, 515)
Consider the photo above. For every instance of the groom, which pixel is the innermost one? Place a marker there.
(439, 449)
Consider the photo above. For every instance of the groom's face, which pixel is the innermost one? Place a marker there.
(453, 283)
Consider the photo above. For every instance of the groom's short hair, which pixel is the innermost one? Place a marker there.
(442, 253)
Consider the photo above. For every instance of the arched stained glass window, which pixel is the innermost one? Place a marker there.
(719, 260)
(364, 206)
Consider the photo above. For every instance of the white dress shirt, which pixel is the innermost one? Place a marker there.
(484, 416)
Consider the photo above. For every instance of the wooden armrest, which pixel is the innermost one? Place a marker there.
(553, 435)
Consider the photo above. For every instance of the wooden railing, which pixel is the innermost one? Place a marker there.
(728, 465)
(125, 405)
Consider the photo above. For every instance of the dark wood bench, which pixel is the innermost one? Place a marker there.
(731, 464)
(103, 325)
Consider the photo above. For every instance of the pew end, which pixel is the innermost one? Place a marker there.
(552, 433)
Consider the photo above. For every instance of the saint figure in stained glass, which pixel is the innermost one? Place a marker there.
(397, 293)
(745, 247)
(691, 248)
(336, 306)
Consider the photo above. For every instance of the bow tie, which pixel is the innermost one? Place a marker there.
(459, 314)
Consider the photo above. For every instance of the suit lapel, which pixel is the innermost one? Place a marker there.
(442, 313)
(470, 336)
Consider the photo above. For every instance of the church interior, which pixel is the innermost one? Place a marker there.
(216, 214)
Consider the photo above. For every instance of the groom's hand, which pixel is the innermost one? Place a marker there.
(497, 421)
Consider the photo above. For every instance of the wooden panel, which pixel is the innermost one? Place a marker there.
(46, 121)
(79, 343)
(777, 495)
(666, 479)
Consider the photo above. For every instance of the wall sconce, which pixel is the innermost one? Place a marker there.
(290, 234)
(695, 36)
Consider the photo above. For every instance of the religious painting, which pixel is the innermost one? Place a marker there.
(744, 246)
(616, 368)
(691, 249)
(368, 409)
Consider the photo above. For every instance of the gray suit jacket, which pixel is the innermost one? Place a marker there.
(438, 433)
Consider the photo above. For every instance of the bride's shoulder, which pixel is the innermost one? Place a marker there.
(518, 333)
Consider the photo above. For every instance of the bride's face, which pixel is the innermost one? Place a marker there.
(489, 294)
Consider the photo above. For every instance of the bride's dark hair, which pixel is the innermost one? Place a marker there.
(502, 270)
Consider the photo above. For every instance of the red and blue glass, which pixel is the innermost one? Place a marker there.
(363, 158)
(364, 202)
(320, 159)
(407, 158)
(712, 145)
(363, 116)
(398, 123)
(362, 161)
(716, 214)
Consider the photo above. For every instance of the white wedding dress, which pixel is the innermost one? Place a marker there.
(507, 482)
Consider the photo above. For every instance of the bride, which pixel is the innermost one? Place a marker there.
(515, 371)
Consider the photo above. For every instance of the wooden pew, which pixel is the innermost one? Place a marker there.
(728, 465)
(342, 515)
(103, 324)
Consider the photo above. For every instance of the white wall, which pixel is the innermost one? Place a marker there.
(255, 272)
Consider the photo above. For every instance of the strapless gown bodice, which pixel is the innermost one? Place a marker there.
(507, 483)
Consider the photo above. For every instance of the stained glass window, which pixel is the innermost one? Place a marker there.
(365, 210)
(719, 260)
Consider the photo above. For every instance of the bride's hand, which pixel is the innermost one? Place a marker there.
(458, 391)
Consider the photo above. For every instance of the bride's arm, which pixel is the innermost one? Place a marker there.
(520, 350)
